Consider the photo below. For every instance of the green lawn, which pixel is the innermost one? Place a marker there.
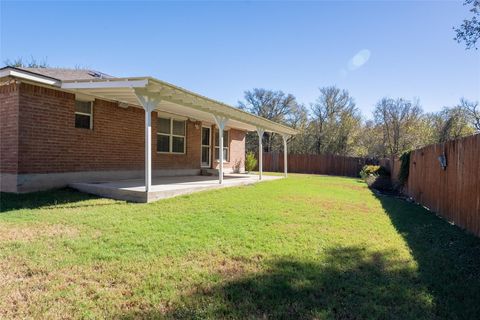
(310, 247)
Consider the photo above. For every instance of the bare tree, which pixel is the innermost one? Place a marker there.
(273, 105)
(31, 63)
(399, 119)
(335, 121)
(469, 30)
(472, 109)
(370, 141)
(301, 142)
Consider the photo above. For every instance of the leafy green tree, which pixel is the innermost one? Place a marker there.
(469, 30)
(455, 124)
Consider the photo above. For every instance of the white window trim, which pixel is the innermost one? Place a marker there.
(171, 135)
(227, 147)
(86, 114)
(209, 148)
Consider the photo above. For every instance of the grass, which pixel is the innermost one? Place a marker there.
(311, 247)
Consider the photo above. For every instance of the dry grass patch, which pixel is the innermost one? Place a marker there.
(25, 233)
(104, 289)
(30, 291)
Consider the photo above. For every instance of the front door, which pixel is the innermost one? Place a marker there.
(206, 140)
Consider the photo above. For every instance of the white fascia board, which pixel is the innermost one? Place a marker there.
(28, 76)
(229, 111)
(83, 97)
(163, 114)
(142, 83)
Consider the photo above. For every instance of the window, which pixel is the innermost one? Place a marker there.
(206, 149)
(170, 135)
(83, 114)
(226, 142)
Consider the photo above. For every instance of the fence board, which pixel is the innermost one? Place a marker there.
(453, 193)
(314, 164)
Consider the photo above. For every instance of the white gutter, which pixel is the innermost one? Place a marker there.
(105, 84)
(29, 76)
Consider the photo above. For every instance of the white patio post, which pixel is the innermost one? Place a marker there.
(149, 103)
(260, 132)
(220, 121)
(285, 154)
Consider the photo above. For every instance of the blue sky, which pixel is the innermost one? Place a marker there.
(220, 49)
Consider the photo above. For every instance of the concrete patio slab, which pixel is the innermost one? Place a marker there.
(164, 187)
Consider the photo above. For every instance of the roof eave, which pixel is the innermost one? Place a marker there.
(27, 75)
(145, 82)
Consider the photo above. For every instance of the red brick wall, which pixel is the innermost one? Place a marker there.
(237, 151)
(38, 135)
(9, 126)
(49, 142)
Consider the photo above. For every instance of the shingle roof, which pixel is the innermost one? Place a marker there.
(69, 74)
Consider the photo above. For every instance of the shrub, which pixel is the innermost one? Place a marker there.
(250, 161)
(376, 177)
(404, 168)
(372, 170)
(381, 183)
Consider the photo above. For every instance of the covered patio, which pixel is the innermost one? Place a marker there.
(165, 187)
(154, 95)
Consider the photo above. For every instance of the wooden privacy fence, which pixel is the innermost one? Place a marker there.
(453, 192)
(393, 166)
(316, 164)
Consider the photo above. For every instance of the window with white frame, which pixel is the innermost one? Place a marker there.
(83, 114)
(226, 143)
(171, 135)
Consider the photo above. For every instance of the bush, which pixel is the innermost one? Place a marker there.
(381, 183)
(376, 177)
(372, 170)
(404, 168)
(250, 161)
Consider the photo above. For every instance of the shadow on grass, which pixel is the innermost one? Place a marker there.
(42, 199)
(448, 258)
(351, 283)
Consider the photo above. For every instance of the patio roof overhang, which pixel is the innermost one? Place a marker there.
(172, 99)
(155, 95)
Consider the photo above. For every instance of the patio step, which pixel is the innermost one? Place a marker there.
(209, 172)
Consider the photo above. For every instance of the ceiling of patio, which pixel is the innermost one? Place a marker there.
(174, 100)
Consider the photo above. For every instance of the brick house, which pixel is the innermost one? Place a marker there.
(60, 126)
